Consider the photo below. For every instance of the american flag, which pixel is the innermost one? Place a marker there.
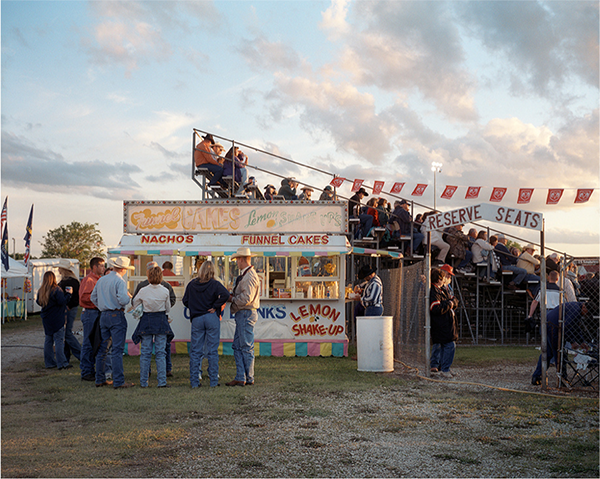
(4, 213)
(27, 238)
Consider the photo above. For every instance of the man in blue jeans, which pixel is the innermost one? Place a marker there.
(245, 301)
(111, 296)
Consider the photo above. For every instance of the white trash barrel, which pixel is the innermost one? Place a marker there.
(374, 346)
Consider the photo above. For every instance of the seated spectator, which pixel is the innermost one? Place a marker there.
(527, 261)
(403, 219)
(373, 211)
(250, 189)
(384, 213)
(481, 249)
(328, 194)
(472, 234)
(269, 192)
(306, 193)
(553, 263)
(459, 247)
(204, 157)
(436, 239)
(508, 262)
(572, 276)
(235, 158)
(288, 189)
(355, 211)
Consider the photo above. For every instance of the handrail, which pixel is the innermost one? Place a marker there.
(333, 175)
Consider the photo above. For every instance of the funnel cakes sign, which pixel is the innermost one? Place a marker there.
(230, 217)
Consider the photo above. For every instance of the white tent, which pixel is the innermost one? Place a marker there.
(15, 279)
(37, 268)
(16, 269)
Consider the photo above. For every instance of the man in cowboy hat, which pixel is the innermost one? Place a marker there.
(372, 295)
(204, 156)
(111, 296)
(244, 303)
(355, 211)
(270, 190)
(306, 193)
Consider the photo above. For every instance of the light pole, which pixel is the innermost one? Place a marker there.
(436, 168)
(14, 250)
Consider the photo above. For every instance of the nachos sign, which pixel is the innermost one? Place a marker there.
(498, 214)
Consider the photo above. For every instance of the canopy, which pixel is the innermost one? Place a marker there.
(16, 269)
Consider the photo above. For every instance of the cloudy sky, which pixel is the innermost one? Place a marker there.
(99, 100)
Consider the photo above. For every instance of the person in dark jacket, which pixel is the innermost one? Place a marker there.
(68, 278)
(443, 326)
(288, 189)
(204, 296)
(54, 301)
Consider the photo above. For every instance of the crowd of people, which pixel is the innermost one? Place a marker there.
(104, 296)
(208, 154)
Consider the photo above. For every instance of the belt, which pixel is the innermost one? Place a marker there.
(373, 304)
(90, 309)
(113, 310)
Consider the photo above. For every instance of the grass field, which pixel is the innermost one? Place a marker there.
(54, 425)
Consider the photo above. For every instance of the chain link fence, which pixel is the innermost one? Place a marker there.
(405, 301)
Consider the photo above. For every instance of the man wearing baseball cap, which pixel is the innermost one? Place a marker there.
(111, 296)
(245, 301)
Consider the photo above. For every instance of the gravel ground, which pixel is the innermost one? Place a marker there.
(417, 429)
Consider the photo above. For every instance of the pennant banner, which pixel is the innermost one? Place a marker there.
(497, 194)
(397, 188)
(554, 196)
(356, 186)
(472, 192)
(525, 195)
(377, 187)
(449, 192)
(583, 195)
(337, 182)
(419, 190)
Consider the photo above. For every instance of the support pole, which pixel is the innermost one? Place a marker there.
(543, 324)
(427, 316)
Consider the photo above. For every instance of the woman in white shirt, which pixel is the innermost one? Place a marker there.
(153, 327)
(481, 249)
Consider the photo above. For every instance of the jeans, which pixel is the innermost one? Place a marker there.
(216, 170)
(446, 355)
(86, 362)
(417, 239)
(113, 326)
(373, 310)
(519, 273)
(243, 344)
(366, 222)
(159, 342)
(70, 339)
(466, 261)
(244, 177)
(436, 351)
(205, 328)
(168, 356)
(58, 341)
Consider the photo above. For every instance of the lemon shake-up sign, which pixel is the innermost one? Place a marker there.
(233, 217)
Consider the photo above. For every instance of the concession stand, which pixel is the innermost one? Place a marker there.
(300, 250)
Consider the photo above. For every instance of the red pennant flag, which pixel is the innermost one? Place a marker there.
(448, 192)
(472, 192)
(554, 196)
(497, 194)
(337, 182)
(583, 195)
(397, 188)
(525, 195)
(356, 186)
(377, 187)
(419, 190)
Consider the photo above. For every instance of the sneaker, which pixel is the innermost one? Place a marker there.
(447, 375)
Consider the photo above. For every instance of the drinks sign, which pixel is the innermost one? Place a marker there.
(197, 217)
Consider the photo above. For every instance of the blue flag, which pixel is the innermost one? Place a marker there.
(27, 238)
(4, 247)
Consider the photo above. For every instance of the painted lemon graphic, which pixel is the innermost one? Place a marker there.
(270, 223)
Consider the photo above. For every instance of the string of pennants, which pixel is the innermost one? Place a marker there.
(525, 194)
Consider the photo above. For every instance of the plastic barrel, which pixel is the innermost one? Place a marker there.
(374, 347)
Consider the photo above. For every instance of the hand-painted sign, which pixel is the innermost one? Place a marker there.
(197, 217)
(495, 213)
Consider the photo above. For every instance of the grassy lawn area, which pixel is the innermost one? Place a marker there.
(54, 425)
